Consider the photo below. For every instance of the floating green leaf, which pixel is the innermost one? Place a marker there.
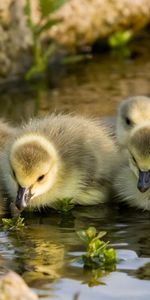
(98, 255)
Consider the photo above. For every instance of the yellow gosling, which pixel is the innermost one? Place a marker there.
(132, 112)
(59, 157)
(132, 182)
(7, 132)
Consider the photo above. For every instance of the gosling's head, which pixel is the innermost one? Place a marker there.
(132, 112)
(33, 162)
(139, 151)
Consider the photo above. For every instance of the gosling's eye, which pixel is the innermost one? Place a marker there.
(40, 178)
(128, 121)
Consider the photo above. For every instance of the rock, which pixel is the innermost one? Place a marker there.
(82, 22)
(13, 287)
(15, 38)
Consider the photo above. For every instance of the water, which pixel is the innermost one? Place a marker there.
(45, 253)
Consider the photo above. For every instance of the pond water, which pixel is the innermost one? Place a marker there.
(45, 253)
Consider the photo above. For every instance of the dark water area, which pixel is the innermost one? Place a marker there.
(45, 252)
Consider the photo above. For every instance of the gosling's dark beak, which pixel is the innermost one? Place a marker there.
(144, 181)
(23, 197)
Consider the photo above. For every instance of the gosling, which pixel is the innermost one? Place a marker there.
(60, 156)
(7, 132)
(132, 112)
(132, 182)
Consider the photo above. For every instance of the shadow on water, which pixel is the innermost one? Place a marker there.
(44, 252)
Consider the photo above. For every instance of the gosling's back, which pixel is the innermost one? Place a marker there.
(80, 142)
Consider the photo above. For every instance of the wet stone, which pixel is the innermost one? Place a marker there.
(13, 287)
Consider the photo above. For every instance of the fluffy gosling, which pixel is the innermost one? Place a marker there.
(132, 112)
(7, 132)
(59, 157)
(132, 182)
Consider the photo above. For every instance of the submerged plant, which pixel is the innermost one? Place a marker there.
(13, 224)
(41, 55)
(98, 255)
(95, 277)
(64, 205)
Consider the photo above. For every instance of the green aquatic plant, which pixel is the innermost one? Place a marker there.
(13, 224)
(98, 255)
(64, 205)
(118, 42)
(76, 58)
(41, 54)
(95, 277)
(120, 39)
